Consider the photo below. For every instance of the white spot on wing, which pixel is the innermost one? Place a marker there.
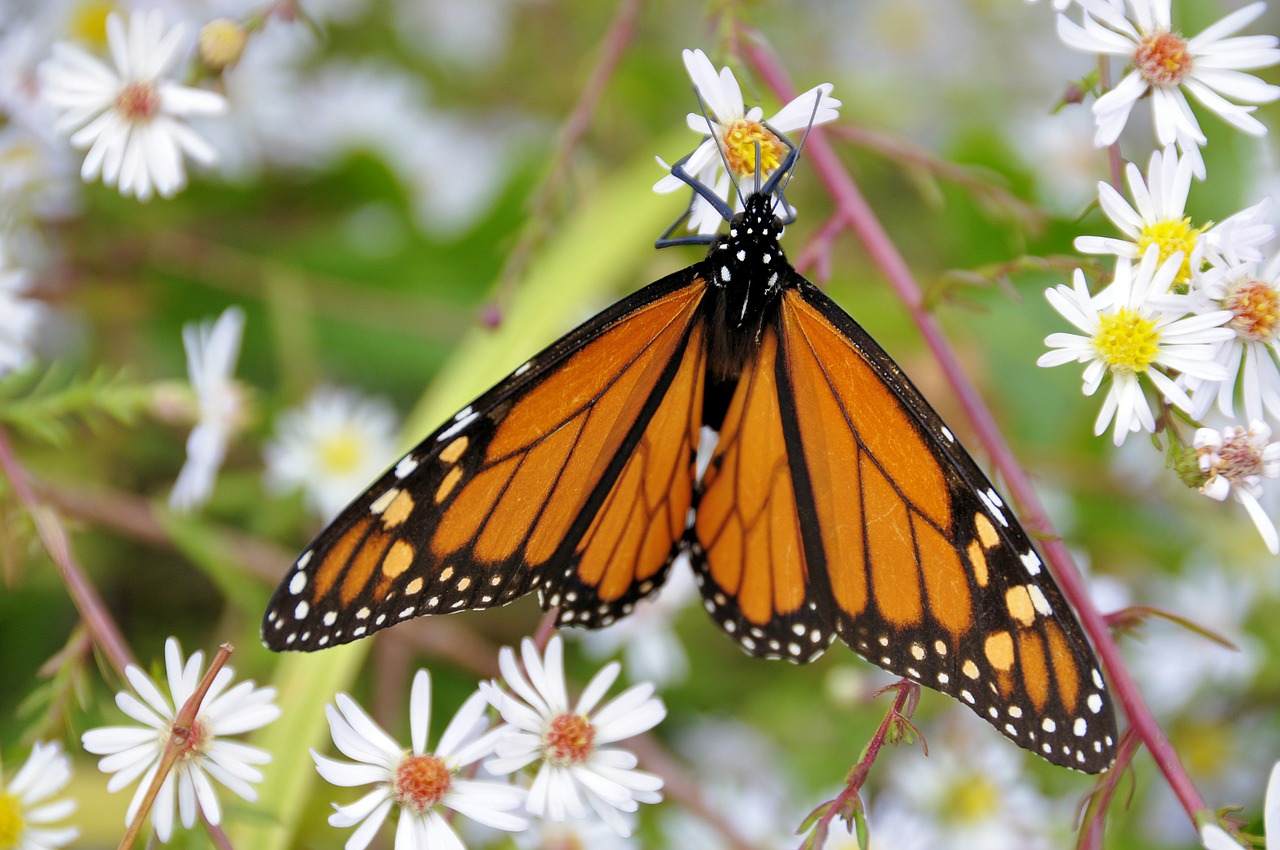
(1032, 562)
(461, 421)
(406, 465)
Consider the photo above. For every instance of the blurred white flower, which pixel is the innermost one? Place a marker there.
(19, 317)
(130, 118)
(418, 782)
(651, 649)
(1164, 63)
(568, 743)
(1175, 665)
(27, 814)
(1127, 335)
(734, 133)
(132, 751)
(971, 793)
(331, 447)
(212, 351)
(1236, 461)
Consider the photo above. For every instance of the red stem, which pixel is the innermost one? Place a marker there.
(862, 220)
(858, 775)
(93, 612)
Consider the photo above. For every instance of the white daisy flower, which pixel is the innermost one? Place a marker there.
(130, 117)
(1249, 356)
(417, 781)
(568, 743)
(19, 317)
(331, 448)
(734, 133)
(1164, 63)
(1158, 217)
(1127, 335)
(1236, 461)
(27, 814)
(212, 350)
(131, 751)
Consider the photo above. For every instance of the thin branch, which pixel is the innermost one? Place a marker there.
(612, 47)
(97, 619)
(862, 220)
(900, 150)
(847, 805)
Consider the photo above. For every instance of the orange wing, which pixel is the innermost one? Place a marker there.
(573, 476)
(748, 538)
(915, 562)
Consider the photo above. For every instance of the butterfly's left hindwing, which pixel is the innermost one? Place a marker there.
(573, 476)
(929, 575)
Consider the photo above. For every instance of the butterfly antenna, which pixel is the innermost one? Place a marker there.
(711, 131)
(813, 116)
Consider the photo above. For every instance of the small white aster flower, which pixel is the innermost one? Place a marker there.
(1158, 217)
(1207, 66)
(1250, 355)
(418, 782)
(1236, 461)
(130, 117)
(734, 133)
(27, 814)
(331, 447)
(19, 317)
(131, 751)
(568, 742)
(212, 350)
(1127, 335)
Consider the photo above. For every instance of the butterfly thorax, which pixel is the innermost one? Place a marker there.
(746, 269)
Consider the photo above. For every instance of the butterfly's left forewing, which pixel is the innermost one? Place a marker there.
(573, 476)
(929, 575)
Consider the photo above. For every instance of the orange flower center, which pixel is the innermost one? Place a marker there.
(138, 102)
(1256, 309)
(1162, 58)
(421, 782)
(740, 140)
(569, 740)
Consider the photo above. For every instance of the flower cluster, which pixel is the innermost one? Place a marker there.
(540, 728)
(1191, 318)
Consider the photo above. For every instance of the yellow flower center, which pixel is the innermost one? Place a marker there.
(1172, 235)
(1162, 58)
(740, 139)
(10, 820)
(1256, 306)
(88, 21)
(342, 453)
(973, 800)
(569, 740)
(421, 782)
(1126, 341)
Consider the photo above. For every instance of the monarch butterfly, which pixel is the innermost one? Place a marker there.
(835, 504)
